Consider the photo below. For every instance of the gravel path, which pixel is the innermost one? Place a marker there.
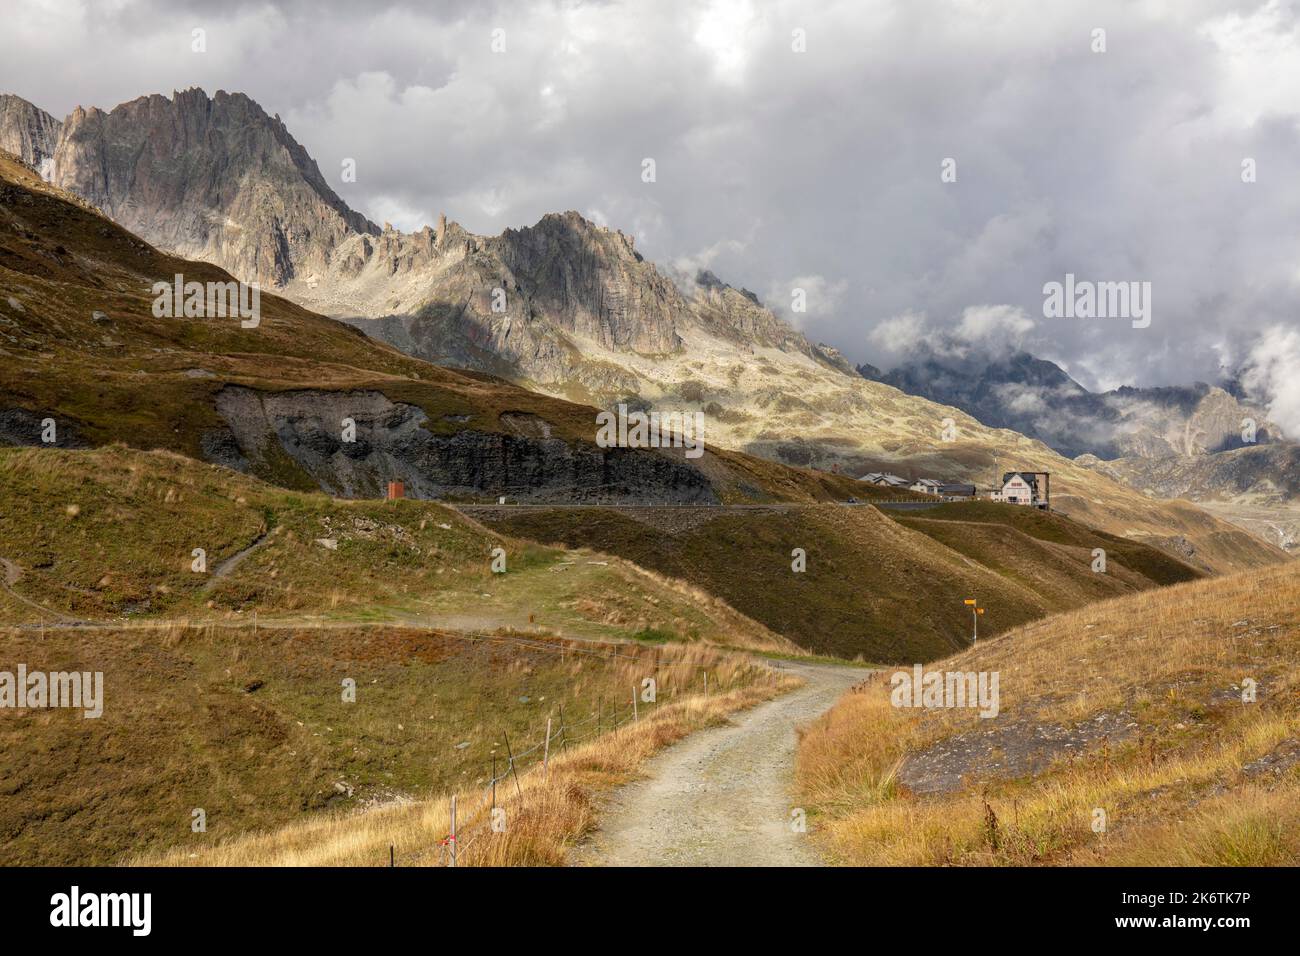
(720, 797)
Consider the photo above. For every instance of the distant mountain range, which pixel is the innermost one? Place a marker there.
(1171, 442)
(1038, 398)
(564, 307)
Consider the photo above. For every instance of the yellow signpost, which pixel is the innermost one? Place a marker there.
(975, 612)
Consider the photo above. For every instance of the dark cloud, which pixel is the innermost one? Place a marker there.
(781, 169)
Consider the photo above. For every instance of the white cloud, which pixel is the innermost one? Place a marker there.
(686, 268)
(1273, 376)
(982, 330)
(1259, 62)
(899, 335)
(822, 298)
(994, 324)
(721, 30)
(1023, 400)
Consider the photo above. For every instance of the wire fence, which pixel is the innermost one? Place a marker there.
(609, 716)
(558, 735)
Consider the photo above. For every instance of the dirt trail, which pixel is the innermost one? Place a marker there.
(11, 574)
(721, 797)
(223, 569)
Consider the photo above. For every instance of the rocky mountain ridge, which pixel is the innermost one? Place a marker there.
(219, 180)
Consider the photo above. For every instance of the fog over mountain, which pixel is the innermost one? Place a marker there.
(983, 367)
(1224, 443)
(1119, 165)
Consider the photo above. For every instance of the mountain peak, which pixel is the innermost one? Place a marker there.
(208, 177)
(575, 224)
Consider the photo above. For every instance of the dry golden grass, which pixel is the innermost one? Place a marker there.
(1249, 827)
(1195, 776)
(545, 815)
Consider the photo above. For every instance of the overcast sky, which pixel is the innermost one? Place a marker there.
(780, 169)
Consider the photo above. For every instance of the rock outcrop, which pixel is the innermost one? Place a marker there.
(29, 133)
(266, 431)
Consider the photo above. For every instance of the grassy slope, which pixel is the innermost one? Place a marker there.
(873, 587)
(252, 728)
(108, 534)
(1047, 552)
(543, 817)
(1160, 675)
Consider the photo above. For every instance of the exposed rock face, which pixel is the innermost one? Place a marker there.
(206, 178)
(20, 426)
(29, 133)
(269, 431)
(530, 303)
(1193, 420)
(1262, 474)
(591, 283)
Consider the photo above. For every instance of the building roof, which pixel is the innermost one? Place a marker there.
(883, 478)
(1028, 477)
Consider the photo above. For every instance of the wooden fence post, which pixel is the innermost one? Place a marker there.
(546, 748)
(453, 829)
